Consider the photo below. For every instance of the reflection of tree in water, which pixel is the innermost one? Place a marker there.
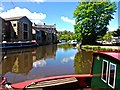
(83, 62)
(65, 46)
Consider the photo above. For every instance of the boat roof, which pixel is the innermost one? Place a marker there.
(115, 55)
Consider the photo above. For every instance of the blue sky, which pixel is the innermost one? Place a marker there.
(59, 13)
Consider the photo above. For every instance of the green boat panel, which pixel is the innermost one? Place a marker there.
(112, 76)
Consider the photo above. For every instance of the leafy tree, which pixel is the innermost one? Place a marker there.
(91, 20)
(65, 35)
(116, 33)
(108, 36)
(65, 32)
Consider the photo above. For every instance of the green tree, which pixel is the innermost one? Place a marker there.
(65, 35)
(117, 33)
(91, 20)
(107, 36)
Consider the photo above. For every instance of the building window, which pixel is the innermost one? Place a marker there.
(14, 25)
(112, 75)
(104, 71)
(25, 35)
(25, 27)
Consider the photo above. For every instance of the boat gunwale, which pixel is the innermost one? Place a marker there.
(24, 84)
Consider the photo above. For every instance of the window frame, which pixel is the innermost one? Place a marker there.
(106, 71)
(110, 74)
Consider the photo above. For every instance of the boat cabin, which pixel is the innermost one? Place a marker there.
(106, 70)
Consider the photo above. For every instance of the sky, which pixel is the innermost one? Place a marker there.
(41, 11)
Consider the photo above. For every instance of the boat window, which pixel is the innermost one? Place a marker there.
(112, 75)
(104, 71)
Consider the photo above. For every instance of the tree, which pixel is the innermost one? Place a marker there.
(116, 33)
(108, 36)
(65, 35)
(91, 20)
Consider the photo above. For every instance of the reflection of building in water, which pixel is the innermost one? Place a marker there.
(44, 52)
(82, 62)
(17, 62)
(51, 51)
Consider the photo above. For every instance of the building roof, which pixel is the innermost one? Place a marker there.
(1, 18)
(14, 18)
(45, 26)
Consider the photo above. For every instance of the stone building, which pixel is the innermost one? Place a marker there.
(18, 29)
(45, 34)
(2, 29)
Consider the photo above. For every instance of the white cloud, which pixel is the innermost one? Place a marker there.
(1, 6)
(17, 11)
(66, 19)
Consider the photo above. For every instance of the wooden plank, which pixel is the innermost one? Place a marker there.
(52, 83)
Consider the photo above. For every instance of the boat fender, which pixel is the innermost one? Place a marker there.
(8, 87)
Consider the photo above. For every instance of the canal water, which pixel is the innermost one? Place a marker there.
(44, 61)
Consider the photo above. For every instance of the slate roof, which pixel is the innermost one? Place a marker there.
(14, 18)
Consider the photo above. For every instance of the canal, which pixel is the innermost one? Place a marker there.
(44, 61)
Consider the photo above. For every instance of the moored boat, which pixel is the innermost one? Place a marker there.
(73, 42)
(12, 45)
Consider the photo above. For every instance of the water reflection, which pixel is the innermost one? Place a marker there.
(65, 46)
(17, 62)
(66, 60)
(83, 62)
(44, 61)
(40, 63)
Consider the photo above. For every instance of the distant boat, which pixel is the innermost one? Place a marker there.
(73, 42)
(105, 75)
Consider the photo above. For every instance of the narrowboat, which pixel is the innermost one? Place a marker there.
(105, 75)
(12, 45)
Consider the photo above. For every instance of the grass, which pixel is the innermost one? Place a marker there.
(94, 48)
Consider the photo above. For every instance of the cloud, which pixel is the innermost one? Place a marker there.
(1, 7)
(66, 19)
(17, 11)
